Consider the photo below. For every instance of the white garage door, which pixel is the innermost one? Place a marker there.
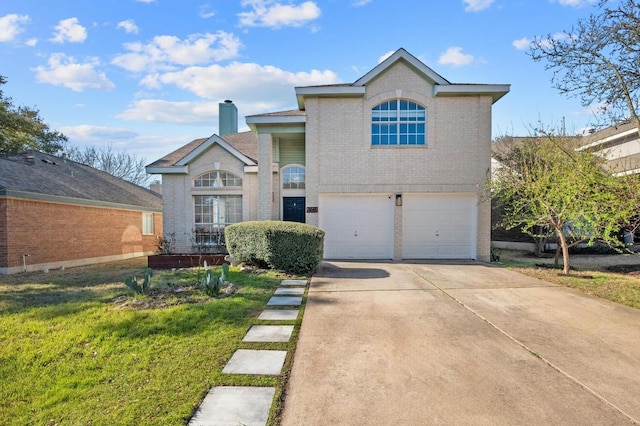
(356, 227)
(439, 226)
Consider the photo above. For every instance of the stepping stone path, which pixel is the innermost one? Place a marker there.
(243, 405)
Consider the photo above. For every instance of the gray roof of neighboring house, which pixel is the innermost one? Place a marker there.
(245, 142)
(39, 173)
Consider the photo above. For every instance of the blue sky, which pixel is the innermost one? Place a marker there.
(147, 75)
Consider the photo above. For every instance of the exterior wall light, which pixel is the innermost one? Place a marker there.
(398, 200)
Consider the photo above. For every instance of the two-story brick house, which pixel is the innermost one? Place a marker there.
(390, 166)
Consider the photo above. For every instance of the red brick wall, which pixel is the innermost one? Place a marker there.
(3, 232)
(55, 232)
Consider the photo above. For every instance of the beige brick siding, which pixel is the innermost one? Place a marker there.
(178, 192)
(340, 158)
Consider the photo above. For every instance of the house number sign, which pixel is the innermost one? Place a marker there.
(312, 210)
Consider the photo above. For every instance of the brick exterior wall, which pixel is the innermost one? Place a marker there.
(58, 234)
(340, 158)
(178, 192)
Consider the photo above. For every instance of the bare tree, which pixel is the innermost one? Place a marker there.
(117, 163)
(598, 60)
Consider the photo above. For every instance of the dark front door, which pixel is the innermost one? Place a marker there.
(293, 209)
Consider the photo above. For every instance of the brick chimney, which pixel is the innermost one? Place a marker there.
(228, 118)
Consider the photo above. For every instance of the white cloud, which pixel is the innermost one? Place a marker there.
(454, 56)
(63, 70)
(205, 11)
(254, 88)
(32, 42)
(165, 52)
(244, 82)
(476, 5)
(12, 25)
(69, 30)
(577, 3)
(360, 3)
(158, 110)
(521, 44)
(129, 26)
(386, 55)
(272, 14)
(145, 1)
(88, 133)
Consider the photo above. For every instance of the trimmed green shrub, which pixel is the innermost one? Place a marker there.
(287, 246)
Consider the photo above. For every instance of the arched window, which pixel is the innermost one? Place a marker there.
(218, 179)
(398, 122)
(293, 177)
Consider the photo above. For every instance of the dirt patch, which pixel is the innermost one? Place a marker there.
(158, 298)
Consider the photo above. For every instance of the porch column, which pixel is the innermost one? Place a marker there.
(265, 177)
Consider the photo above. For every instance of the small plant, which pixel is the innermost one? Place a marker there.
(224, 273)
(210, 283)
(132, 282)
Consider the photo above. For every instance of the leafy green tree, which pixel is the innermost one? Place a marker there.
(599, 59)
(22, 128)
(546, 184)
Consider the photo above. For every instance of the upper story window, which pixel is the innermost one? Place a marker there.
(398, 122)
(293, 178)
(218, 179)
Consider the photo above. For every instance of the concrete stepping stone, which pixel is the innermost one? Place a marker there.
(284, 301)
(269, 333)
(279, 314)
(296, 291)
(252, 361)
(293, 282)
(234, 405)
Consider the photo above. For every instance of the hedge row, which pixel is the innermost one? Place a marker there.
(287, 246)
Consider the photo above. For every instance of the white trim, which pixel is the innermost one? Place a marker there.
(275, 119)
(496, 91)
(608, 139)
(215, 139)
(167, 170)
(333, 91)
(397, 55)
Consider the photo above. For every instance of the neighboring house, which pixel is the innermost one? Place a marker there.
(390, 166)
(58, 213)
(619, 145)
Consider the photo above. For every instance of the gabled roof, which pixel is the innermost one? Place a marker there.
(441, 86)
(40, 175)
(244, 146)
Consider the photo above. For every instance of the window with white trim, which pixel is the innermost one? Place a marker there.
(147, 223)
(212, 214)
(293, 177)
(398, 122)
(218, 179)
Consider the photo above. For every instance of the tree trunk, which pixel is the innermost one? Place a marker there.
(565, 252)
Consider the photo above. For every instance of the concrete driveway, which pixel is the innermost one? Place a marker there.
(417, 344)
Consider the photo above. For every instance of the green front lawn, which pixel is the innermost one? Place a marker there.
(77, 347)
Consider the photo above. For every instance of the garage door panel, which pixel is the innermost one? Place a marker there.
(357, 227)
(439, 226)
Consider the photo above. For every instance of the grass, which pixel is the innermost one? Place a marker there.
(71, 352)
(621, 288)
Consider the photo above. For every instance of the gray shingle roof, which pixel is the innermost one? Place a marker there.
(39, 173)
(245, 142)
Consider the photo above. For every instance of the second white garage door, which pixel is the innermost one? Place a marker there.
(357, 226)
(439, 226)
